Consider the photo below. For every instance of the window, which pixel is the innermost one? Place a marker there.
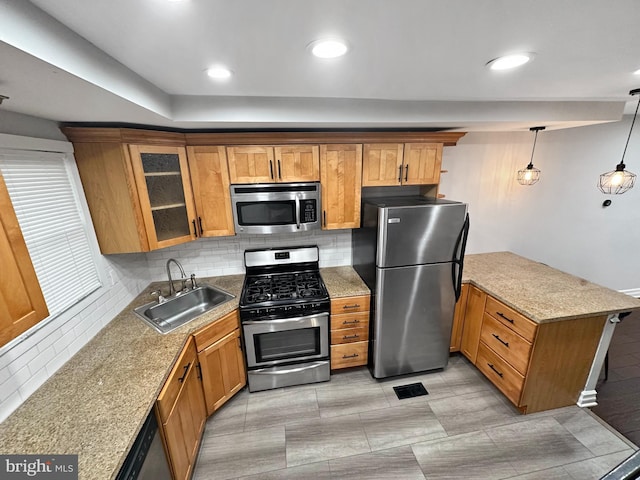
(53, 225)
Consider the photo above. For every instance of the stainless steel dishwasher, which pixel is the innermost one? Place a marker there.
(146, 459)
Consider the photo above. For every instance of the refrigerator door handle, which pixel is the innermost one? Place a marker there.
(458, 258)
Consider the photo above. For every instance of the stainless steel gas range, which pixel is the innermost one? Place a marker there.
(284, 311)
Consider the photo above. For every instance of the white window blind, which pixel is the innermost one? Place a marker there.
(53, 226)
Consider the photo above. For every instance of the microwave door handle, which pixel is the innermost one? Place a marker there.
(298, 211)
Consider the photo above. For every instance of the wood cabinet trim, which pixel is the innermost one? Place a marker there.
(159, 137)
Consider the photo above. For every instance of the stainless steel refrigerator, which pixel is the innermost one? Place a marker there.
(410, 253)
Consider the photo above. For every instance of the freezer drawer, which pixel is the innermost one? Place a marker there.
(411, 325)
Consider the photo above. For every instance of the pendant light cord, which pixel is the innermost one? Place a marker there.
(535, 139)
(630, 131)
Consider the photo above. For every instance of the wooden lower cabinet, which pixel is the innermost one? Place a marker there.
(181, 413)
(349, 331)
(536, 366)
(221, 359)
(472, 323)
(458, 319)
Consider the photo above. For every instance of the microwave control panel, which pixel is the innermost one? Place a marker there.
(309, 210)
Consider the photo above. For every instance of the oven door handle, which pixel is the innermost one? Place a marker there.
(285, 320)
(298, 211)
(268, 371)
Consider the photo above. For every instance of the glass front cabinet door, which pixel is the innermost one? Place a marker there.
(164, 190)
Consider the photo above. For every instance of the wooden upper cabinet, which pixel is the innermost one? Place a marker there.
(210, 182)
(297, 163)
(392, 164)
(21, 302)
(164, 191)
(382, 164)
(267, 164)
(340, 176)
(251, 164)
(422, 163)
(139, 196)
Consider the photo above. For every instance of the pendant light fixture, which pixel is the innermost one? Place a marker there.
(620, 180)
(530, 175)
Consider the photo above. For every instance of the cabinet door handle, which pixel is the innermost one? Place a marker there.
(239, 344)
(195, 229)
(199, 368)
(406, 172)
(500, 314)
(347, 322)
(350, 356)
(279, 170)
(200, 223)
(355, 305)
(494, 369)
(324, 217)
(347, 337)
(271, 168)
(184, 374)
(400, 174)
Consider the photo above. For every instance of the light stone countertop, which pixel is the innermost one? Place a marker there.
(540, 292)
(96, 403)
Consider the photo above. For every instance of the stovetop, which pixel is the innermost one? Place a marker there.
(284, 286)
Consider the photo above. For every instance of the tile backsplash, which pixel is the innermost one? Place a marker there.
(209, 257)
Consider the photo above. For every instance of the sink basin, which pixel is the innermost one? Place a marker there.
(176, 311)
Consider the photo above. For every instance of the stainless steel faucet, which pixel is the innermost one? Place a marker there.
(172, 290)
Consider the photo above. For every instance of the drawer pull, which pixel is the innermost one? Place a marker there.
(500, 314)
(186, 369)
(494, 369)
(352, 322)
(346, 337)
(506, 344)
(350, 356)
(355, 305)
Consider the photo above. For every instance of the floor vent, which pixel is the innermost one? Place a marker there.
(410, 391)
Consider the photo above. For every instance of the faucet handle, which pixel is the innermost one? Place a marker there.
(158, 293)
(193, 281)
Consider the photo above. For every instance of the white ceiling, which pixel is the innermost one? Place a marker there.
(412, 63)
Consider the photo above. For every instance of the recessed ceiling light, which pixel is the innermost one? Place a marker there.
(510, 61)
(328, 48)
(219, 72)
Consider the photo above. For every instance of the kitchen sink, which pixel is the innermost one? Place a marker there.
(184, 307)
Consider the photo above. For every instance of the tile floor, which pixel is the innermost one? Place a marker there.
(355, 427)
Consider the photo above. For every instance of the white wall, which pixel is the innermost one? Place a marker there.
(560, 220)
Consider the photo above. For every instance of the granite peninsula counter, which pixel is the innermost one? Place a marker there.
(96, 403)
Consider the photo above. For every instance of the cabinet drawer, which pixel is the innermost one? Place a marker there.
(506, 343)
(350, 335)
(351, 320)
(349, 355)
(215, 331)
(172, 386)
(501, 374)
(512, 319)
(350, 304)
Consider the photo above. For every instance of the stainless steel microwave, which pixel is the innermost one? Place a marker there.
(276, 207)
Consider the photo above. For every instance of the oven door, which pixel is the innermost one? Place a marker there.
(275, 208)
(273, 342)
